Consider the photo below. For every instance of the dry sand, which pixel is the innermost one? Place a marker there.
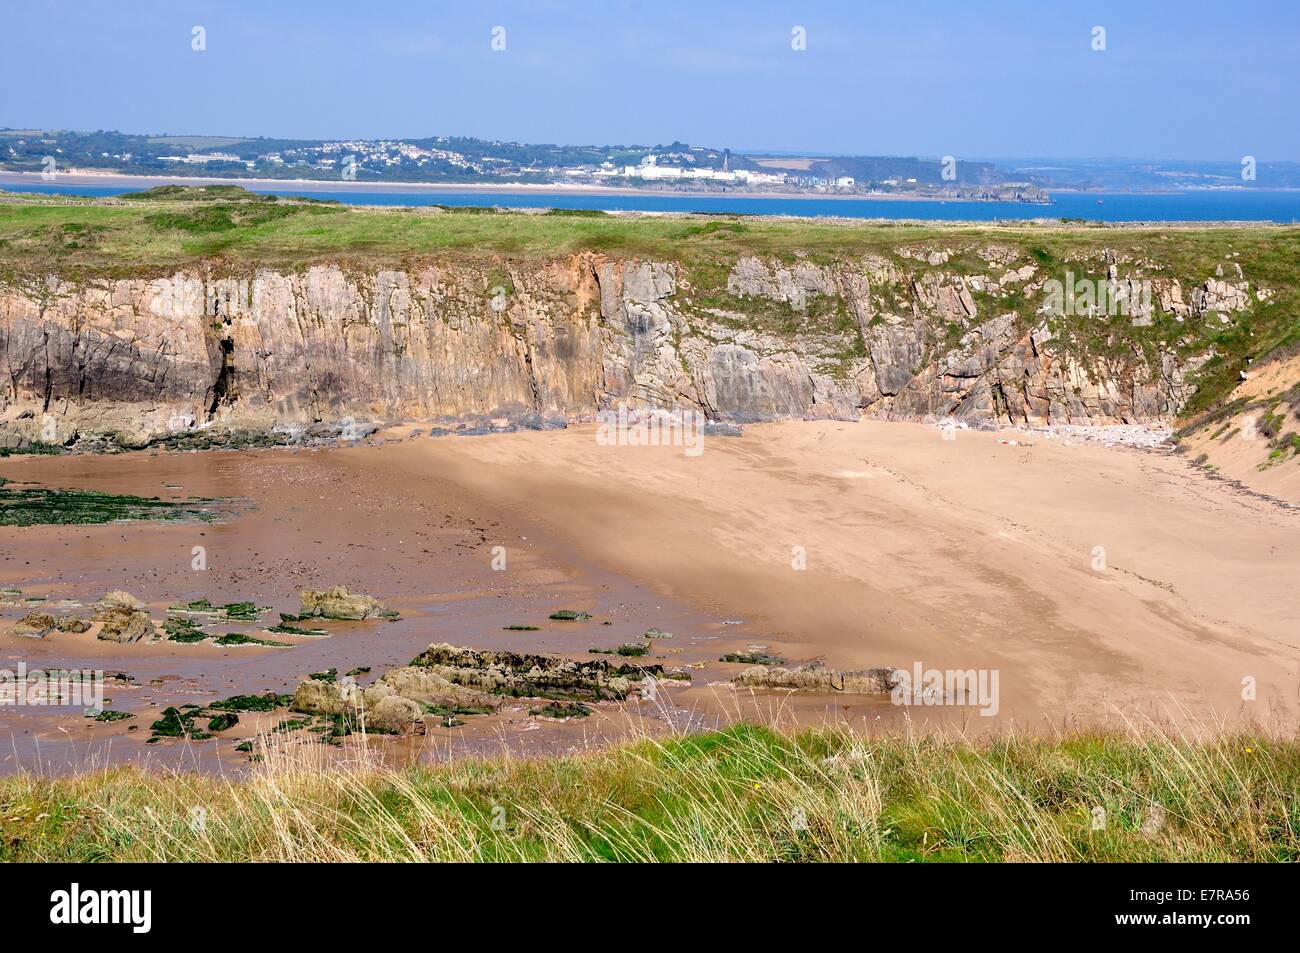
(965, 553)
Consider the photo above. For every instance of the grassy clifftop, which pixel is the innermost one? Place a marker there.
(745, 794)
(225, 230)
(173, 227)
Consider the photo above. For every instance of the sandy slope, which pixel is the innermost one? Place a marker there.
(962, 553)
(1234, 446)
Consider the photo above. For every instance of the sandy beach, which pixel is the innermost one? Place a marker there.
(116, 179)
(1101, 582)
(1103, 585)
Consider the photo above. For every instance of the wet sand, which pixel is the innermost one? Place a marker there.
(378, 519)
(968, 553)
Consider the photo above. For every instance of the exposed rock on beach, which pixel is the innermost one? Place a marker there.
(338, 603)
(447, 679)
(123, 618)
(818, 678)
(34, 625)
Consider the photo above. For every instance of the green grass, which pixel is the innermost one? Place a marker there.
(133, 236)
(744, 794)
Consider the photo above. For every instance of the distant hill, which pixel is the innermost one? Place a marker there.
(456, 159)
(676, 165)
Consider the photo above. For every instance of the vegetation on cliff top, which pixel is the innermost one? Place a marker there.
(225, 230)
(155, 232)
(746, 794)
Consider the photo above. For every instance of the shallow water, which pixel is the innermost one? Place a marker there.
(370, 518)
(1253, 205)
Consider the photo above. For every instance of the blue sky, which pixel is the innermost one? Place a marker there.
(1186, 79)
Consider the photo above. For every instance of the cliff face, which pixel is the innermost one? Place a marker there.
(904, 336)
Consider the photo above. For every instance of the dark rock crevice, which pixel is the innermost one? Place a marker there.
(223, 388)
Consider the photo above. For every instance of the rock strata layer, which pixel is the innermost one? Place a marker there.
(130, 362)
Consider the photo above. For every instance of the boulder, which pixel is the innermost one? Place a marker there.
(134, 439)
(34, 625)
(427, 687)
(753, 657)
(73, 624)
(118, 598)
(395, 714)
(338, 603)
(396, 702)
(123, 624)
(818, 678)
(316, 697)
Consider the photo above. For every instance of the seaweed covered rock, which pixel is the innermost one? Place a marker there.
(223, 721)
(523, 674)
(753, 657)
(629, 649)
(338, 603)
(560, 711)
(818, 678)
(183, 630)
(379, 709)
(178, 723)
(230, 612)
(267, 701)
(569, 615)
(448, 680)
(34, 625)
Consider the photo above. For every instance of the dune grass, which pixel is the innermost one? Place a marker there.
(742, 794)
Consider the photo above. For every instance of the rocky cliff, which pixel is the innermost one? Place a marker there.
(927, 329)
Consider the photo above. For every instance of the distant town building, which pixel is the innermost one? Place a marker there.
(651, 170)
(202, 158)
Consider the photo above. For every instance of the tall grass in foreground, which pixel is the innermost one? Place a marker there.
(746, 793)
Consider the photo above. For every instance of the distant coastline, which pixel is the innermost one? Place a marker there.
(94, 177)
(1221, 206)
(1188, 190)
(114, 179)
